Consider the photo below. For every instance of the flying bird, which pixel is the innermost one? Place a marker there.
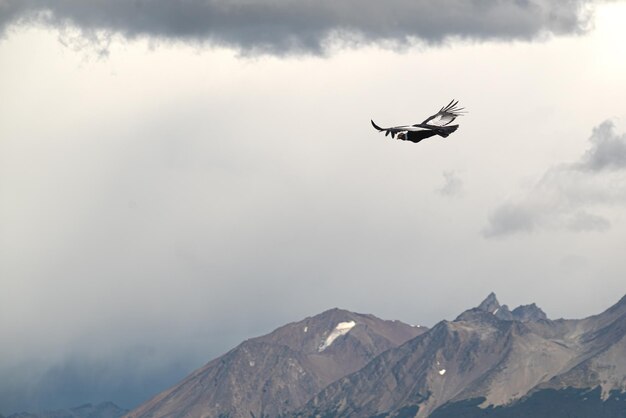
(437, 124)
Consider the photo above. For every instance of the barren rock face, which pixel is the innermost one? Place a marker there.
(279, 372)
(342, 364)
(501, 361)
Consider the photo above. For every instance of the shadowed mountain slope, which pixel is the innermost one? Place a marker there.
(501, 360)
(489, 362)
(279, 372)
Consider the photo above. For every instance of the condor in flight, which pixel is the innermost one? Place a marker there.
(437, 124)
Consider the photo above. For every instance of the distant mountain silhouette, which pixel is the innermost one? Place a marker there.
(102, 410)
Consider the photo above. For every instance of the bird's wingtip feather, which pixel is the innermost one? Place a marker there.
(376, 126)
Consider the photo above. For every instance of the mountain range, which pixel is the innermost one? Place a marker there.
(490, 361)
(279, 372)
(101, 410)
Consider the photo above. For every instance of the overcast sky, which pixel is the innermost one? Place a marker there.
(178, 176)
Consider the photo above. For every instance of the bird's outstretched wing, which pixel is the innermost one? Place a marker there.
(445, 116)
(393, 130)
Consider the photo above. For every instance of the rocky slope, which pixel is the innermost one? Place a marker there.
(279, 372)
(488, 360)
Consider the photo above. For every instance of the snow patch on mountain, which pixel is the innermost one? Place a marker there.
(342, 328)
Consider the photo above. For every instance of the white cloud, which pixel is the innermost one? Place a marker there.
(453, 184)
(570, 196)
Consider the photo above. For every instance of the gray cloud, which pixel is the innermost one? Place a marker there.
(608, 151)
(510, 218)
(583, 221)
(159, 207)
(567, 194)
(453, 185)
(285, 26)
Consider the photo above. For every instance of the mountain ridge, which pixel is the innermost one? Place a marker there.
(280, 371)
(497, 360)
(88, 410)
(489, 359)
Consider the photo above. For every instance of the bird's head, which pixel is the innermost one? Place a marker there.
(402, 136)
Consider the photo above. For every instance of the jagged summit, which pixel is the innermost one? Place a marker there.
(492, 360)
(344, 364)
(490, 304)
(477, 315)
(529, 313)
(523, 313)
(504, 313)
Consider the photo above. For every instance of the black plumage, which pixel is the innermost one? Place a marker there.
(437, 124)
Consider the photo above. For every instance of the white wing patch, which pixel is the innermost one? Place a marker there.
(442, 119)
(446, 115)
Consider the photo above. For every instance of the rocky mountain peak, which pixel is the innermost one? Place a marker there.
(523, 313)
(490, 304)
(484, 312)
(476, 316)
(504, 313)
(530, 312)
(272, 374)
(341, 363)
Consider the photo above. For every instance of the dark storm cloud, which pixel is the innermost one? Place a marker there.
(282, 26)
(566, 193)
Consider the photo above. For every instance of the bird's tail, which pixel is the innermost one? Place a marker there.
(444, 131)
